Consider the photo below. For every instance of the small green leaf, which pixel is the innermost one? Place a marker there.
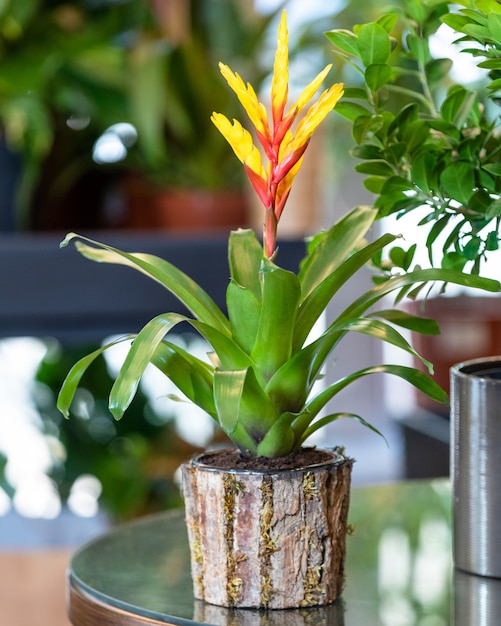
(367, 151)
(437, 69)
(492, 241)
(494, 23)
(377, 75)
(453, 261)
(355, 93)
(351, 110)
(388, 21)
(374, 44)
(364, 128)
(457, 106)
(458, 181)
(396, 184)
(488, 7)
(345, 40)
(472, 248)
(375, 168)
(423, 169)
(419, 48)
(374, 184)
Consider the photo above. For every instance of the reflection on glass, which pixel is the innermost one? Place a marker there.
(477, 600)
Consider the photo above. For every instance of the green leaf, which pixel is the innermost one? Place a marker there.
(377, 75)
(374, 184)
(328, 283)
(416, 323)
(74, 376)
(192, 377)
(245, 256)
(355, 93)
(492, 241)
(345, 40)
(388, 21)
(493, 168)
(415, 377)
(242, 406)
(374, 44)
(378, 330)
(177, 282)
(280, 439)
(364, 128)
(375, 168)
(453, 261)
(423, 169)
(333, 417)
(351, 110)
(437, 69)
(244, 312)
(494, 23)
(414, 135)
(396, 184)
(457, 106)
(139, 356)
(419, 48)
(367, 151)
(458, 181)
(328, 250)
(471, 249)
(281, 296)
(488, 7)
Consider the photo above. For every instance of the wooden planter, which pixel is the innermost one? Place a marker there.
(267, 539)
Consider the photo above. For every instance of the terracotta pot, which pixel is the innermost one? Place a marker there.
(267, 539)
(151, 207)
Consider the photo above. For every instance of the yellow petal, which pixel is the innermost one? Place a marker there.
(280, 79)
(310, 90)
(248, 99)
(241, 141)
(315, 115)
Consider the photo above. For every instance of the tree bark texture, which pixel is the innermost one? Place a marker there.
(268, 540)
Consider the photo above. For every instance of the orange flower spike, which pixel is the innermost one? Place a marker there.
(280, 79)
(283, 148)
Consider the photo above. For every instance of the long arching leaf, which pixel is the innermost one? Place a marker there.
(196, 300)
(74, 376)
(139, 356)
(193, 377)
(315, 303)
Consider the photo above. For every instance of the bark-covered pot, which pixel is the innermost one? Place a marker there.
(267, 538)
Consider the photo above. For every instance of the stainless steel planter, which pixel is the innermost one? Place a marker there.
(476, 465)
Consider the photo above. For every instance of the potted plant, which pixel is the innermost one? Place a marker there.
(426, 133)
(267, 518)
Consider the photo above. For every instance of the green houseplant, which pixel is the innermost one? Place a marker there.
(426, 139)
(257, 385)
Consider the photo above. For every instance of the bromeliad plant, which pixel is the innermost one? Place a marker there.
(258, 384)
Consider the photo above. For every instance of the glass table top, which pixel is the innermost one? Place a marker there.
(399, 569)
